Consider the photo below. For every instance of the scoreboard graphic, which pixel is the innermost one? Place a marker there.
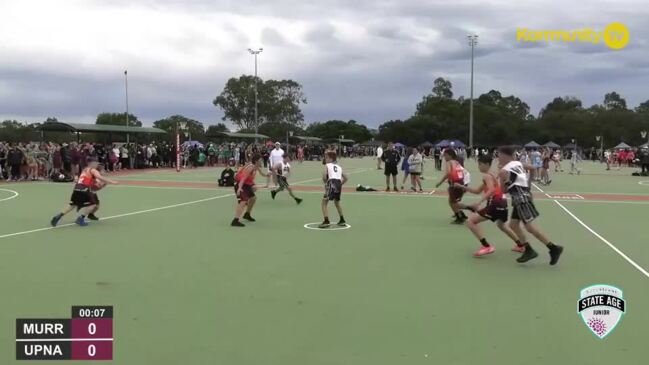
(88, 335)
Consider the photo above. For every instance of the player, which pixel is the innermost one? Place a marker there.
(283, 171)
(495, 210)
(334, 179)
(512, 175)
(83, 195)
(244, 186)
(454, 175)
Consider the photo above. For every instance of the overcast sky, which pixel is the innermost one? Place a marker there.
(369, 60)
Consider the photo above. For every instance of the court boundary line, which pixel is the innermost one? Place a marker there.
(607, 242)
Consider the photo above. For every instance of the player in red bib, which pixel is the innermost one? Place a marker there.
(454, 175)
(495, 210)
(84, 194)
(244, 186)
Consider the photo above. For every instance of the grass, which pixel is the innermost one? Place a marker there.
(399, 287)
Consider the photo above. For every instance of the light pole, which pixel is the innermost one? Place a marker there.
(256, 53)
(126, 84)
(473, 41)
(644, 135)
(288, 146)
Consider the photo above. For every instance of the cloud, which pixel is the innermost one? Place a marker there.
(369, 60)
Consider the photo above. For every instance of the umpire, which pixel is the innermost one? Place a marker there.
(391, 159)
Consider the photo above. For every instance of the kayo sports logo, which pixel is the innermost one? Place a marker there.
(615, 35)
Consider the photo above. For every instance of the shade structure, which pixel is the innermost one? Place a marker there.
(399, 145)
(622, 146)
(532, 144)
(427, 144)
(551, 145)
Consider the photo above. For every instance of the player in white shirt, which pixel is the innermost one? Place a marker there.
(334, 179)
(276, 156)
(282, 171)
(514, 179)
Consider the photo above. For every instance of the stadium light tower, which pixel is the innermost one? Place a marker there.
(644, 134)
(256, 53)
(473, 41)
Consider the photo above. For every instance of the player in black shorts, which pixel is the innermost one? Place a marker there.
(283, 170)
(495, 210)
(334, 179)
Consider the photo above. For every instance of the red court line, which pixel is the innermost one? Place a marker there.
(577, 197)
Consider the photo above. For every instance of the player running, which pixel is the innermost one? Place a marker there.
(334, 179)
(244, 186)
(512, 175)
(84, 194)
(283, 171)
(454, 175)
(495, 210)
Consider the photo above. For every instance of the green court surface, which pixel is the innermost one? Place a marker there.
(400, 286)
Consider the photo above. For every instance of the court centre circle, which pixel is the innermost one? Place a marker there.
(333, 227)
(15, 194)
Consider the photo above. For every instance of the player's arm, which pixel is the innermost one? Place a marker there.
(103, 179)
(503, 176)
(325, 175)
(445, 177)
(344, 178)
(490, 181)
(263, 173)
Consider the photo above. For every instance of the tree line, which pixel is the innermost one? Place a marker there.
(498, 119)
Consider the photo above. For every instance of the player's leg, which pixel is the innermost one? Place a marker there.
(405, 177)
(472, 223)
(81, 219)
(290, 192)
(387, 180)
(241, 206)
(555, 250)
(325, 213)
(67, 209)
(341, 222)
(502, 225)
(251, 203)
(394, 182)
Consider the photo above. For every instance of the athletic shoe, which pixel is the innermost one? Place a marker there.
(273, 193)
(324, 224)
(484, 251)
(249, 218)
(298, 201)
(342, 223)
(80, 221)
(401, 187)
(518, 248)
(93, 217)
(528, 255)
(396, 190)
(236, 223)
(387, 190)
(458, 221)
(555, 253)
(55, 220)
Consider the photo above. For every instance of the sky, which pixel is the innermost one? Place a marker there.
(370, 61)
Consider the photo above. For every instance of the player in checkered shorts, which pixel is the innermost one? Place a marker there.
(283, 170)
(513, 176)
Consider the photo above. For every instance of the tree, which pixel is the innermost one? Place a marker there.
(194, 129)
(278, 101)
(333, 129)
(562, 104)
(442, 88)
(643, 108)
(613, 100)
(215, 129)
(118, 119)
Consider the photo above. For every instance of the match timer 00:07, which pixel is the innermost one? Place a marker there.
(88, 335)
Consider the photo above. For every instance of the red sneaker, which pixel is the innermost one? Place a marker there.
(518, 248)
(484, 251)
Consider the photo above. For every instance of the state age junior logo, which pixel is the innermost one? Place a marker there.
(601, 307)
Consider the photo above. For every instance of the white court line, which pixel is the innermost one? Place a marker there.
(15, 195)
(134, 213)
(609, 244)
(120, 215)
(579, 196)
(432, 192)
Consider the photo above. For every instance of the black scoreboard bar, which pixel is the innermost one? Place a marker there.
(88, 335)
